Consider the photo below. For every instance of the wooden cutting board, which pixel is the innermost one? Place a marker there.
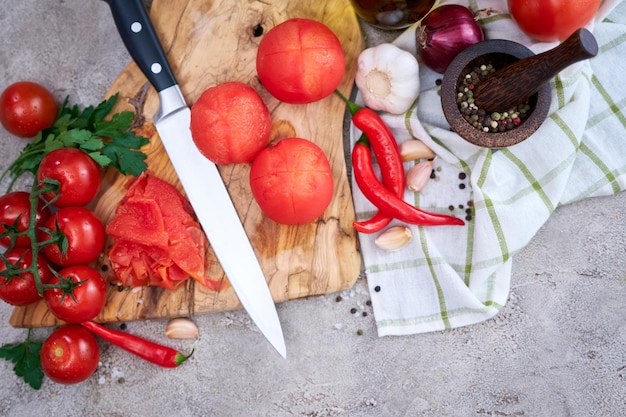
(209, 42)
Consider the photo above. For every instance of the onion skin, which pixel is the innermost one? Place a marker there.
(444, 32)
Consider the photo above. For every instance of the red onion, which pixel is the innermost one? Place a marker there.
(445, 32)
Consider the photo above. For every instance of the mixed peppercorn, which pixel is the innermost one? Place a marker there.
(479, 118)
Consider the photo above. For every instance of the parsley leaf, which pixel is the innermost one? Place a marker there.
(109, 142)
(25, 356)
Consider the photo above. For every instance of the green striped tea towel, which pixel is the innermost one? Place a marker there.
(455, 276)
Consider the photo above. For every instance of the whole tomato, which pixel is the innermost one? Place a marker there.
(87, 297)
(79, 176)
(21, 290)
(70, 354)
(230, 123)
(15, 211)
(552, 20)
(27, 108)
(300, 61)
(85, 235)
(292, 181)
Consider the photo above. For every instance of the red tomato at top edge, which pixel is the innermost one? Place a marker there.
(27, 108)
(85, 234)
(292, 181)
(79, 176)
(300, 61)
(552, 20)
(21, 290)
(230, 123)
(16, 205)
(70, 354)
(89, 296)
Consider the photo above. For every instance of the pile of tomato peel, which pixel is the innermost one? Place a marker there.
(156, 239)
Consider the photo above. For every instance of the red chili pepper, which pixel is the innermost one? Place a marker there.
(384, 199)
(388, 156)
(150, 351)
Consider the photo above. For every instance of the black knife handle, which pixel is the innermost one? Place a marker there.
(142, 43)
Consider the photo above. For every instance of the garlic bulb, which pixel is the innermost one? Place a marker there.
(388, 78)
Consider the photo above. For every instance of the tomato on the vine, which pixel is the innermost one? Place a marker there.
(20, 289)
(79, 176)
(552, 20)
(87, 298)
(70, 354)
(27, 108)
(85, 236)
(15, 211)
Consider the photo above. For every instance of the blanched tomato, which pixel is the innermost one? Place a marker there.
(85, 235)
(292, 181)
(78, 176)
(70, 354)
(300, 61)
(552, 20)
(15, 211)
(230, 123)
(87, 297)
(27, 108)
(21, 290)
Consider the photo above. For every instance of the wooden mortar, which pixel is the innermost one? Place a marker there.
(519, 75)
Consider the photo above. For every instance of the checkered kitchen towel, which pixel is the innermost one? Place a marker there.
(455, 276)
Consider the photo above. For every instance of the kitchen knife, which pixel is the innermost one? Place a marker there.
(200, 177)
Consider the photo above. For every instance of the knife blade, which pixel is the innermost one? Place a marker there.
(199, 177)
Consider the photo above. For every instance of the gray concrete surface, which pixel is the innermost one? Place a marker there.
(558, 348)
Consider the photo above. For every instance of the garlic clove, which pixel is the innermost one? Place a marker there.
(394, 238)
(414, 149)
(181, 328)
(417, 177)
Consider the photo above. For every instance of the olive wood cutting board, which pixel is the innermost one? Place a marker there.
(209, 42)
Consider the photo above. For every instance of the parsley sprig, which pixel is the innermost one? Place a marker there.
(109, 141)
(26, 359)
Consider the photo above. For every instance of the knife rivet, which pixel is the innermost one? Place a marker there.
(377, 288)
(136, 27)
(156, 68)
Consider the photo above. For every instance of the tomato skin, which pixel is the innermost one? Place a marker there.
(21, 290)
(17, 204)
(27, 108)
(292, 181)
(70, 354)
(78, 174)
(300, 61)
(230, 123)
(552, 20)
(85, 234)
(90, 295)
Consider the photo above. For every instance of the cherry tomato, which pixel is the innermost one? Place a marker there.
(300, 61)
(20, 290)
(292, 181)
(27, 108)
(552, 20)
(84, 232)
(230, 123)
(79, 176)
(16, 205)
(88, 298)
(70, 354)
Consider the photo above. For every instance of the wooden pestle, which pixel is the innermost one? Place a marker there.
(514, 83)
